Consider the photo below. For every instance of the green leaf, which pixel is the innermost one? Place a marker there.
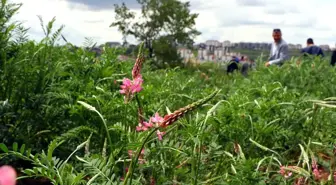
(3, 147)
(15, 146)
(22, 149)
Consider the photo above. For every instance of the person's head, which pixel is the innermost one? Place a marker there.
(310, 41)
(277, 34)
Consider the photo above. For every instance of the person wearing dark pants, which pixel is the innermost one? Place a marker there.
(333, 58)
(245, 68)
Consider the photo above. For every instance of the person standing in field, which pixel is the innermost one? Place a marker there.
(312, 49)
(279, 50)
(333, 58)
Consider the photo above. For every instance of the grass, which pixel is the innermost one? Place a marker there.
(63, 115)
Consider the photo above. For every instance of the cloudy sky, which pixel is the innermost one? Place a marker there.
(234, 20)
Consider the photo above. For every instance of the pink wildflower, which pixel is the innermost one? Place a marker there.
(143, 126)
(316, 173)
(137, 84)
(125, 86)
(157, 119)
(285, 173)
(130, 87)
(146, 124)
(314, 164)
(160, 134)
(139, 128)
(7, 175)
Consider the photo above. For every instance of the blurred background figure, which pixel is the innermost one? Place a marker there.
(233, 65)
(312, 49)
(333, 58)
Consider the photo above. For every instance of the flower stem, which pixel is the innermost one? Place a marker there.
(134, 161)
(140, 110)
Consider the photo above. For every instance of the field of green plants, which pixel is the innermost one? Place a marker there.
(69, 118)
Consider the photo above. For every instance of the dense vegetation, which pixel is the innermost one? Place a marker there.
(64, 120)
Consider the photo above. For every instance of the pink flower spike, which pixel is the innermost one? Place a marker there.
(144, 128)
(138, 128)
(126, 83)
(129, 87)
(157, 118)
(160, 134)
(284, 173)
(137, 84)
(316, 173)
(146, 124)
(7, 175)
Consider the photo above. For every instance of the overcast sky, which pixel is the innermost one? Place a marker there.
(234, 20)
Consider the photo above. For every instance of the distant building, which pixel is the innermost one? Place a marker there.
(294, 46)
(211, 50)
(291, 46)
(227, 43)
(253, 45)
(213, 43)
(325, 47)
(298, 46)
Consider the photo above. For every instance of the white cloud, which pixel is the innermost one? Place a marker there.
(79, 21)
(235, 20)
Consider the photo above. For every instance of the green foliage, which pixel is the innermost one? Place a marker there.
(166, 55)
(61, 110)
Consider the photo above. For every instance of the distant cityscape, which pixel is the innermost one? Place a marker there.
(214, 50)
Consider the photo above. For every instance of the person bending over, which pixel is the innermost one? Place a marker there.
(312, 49)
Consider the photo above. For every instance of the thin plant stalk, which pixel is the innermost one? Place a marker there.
(140, 113)
(91, 108)
(134, 161)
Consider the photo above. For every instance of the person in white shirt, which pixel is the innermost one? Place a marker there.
(279, 50)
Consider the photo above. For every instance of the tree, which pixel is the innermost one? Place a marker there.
(161, 21)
